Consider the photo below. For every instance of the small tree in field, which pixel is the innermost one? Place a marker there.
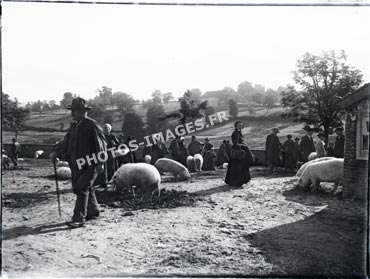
(233, 108)
(13, 115)
(190, 108)
(324, 80)
(133, 125)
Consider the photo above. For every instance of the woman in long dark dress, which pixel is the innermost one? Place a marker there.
(238, 170)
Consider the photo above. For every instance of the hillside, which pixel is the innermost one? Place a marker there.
(256, 128)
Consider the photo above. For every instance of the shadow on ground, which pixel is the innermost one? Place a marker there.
(331, 242)
(25, 230)
(24, 199)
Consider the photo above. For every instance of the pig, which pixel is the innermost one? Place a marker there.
(190, 163)
(64, 172)
(38, 153)
(322, 171)
(304, 166)
(198, 161)
(143, 175)
(175, 168)
(147, 159)
(5, 161)
(312, 156)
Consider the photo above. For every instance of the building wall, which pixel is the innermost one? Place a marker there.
(355, 176)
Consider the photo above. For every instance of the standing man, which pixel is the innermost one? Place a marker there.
(288, 154)
(112, 141)
(85, 139)
(339, 143)
(14, 152)
(207, 146)
(158, 151)
(307, 145)
(297, 152)
(195, 147)
(183, 153)
(273, 149)
(174, 149)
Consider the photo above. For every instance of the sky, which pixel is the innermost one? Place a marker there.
(52, 48)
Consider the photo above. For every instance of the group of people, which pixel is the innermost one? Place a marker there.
(178, 151)
(290, 152)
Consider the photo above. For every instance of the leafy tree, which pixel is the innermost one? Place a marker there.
(229, 93)
(157, 97)
(259, 88)
(282, 88)
(67, 99)
(270, 100)
(124, 102)
(105, 96)
(36, 106)
(53, 105)
(195, 94)
(146, 103)
(108, 119)
(257, 98)
(133, 125)
(190, 108)
(96, 111)
(233, 108)
(245, 90)
(167, 97)
(324, 80)
(13, 115)
(155, 118)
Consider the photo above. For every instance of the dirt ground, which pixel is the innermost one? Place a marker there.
(199, 227)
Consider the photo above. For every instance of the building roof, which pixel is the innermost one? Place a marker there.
(356, 96)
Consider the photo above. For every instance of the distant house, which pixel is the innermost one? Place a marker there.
(356, 152)
(220, 97)
(213, 102)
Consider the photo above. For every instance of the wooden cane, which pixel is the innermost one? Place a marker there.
(56, 182)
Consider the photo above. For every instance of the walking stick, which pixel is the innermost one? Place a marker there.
(56, 182)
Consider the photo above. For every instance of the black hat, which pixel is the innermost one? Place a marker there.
(307, 128)
(289, 136)
(339, 129)
(78, 104)
(321, 135)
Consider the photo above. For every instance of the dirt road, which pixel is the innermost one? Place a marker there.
(201, 227)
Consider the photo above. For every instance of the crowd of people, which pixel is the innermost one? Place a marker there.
(287, 155)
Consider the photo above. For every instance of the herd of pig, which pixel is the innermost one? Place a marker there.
(148, 177)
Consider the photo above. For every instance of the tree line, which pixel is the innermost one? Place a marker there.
(322, 81)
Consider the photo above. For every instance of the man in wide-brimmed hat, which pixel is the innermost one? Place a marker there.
(339, 143)
(82, 143)
(307, 146)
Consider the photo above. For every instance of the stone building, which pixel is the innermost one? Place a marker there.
(356, 152)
